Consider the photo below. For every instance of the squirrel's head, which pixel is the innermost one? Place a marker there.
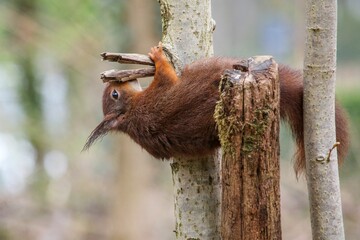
(116, 102)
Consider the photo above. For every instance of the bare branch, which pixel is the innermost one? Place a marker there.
(127, 58)
(126, 75)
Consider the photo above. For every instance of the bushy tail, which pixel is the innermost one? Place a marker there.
(291, 110)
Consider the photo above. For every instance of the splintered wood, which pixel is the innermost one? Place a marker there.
(248, 118)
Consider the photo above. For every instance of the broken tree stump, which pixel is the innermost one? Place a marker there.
(247, 117)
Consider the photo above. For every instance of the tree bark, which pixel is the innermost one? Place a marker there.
(247, 117)
(126, 75)
(127, 58)
(187, 33)
(187, 30)
(319, 120)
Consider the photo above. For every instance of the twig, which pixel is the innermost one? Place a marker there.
(330, 150)
(128, 58)
(126, 75)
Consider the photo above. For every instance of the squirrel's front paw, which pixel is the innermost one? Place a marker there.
(156, 53)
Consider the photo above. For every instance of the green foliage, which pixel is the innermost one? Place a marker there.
(5, 234)
(351, 101)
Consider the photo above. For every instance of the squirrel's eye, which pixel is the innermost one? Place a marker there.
(115, 94)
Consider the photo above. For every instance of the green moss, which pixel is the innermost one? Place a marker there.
(257, 130)
(227, 122)
(230, 124)
(249, 144)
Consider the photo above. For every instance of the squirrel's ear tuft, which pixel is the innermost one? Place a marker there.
(135, 85)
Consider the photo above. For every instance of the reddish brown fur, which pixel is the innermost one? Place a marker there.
(291, 110)
(174, 117)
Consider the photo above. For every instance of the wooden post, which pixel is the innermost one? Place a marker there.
(248, 117)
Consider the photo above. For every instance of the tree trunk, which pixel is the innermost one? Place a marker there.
(319, 120)
(187, 34)
(247, 116)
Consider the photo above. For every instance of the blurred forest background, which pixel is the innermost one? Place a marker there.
(50, 100)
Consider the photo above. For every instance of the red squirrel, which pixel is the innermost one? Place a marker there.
(173, 117)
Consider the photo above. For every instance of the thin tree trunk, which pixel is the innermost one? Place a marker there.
(187, 33)
(187, 29)
(247, 116)
(319, 120)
